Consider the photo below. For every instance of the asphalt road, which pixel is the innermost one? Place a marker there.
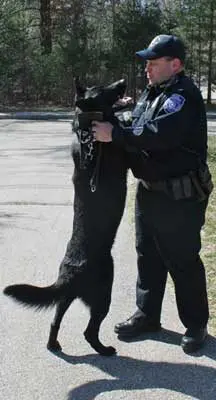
(36, 197)
(212, 123)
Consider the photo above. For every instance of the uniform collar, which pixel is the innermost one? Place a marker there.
(163, 85)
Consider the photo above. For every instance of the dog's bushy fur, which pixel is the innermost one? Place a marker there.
(86, 271)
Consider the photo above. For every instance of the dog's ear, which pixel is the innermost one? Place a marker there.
(80, 89)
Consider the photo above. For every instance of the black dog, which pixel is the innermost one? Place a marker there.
(100, 174)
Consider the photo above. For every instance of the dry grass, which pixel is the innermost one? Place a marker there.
(208, 252)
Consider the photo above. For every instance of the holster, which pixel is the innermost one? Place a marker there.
(181, 188)
(202, 181)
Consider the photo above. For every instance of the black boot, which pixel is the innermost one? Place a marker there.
(136, 325)
(193, 339)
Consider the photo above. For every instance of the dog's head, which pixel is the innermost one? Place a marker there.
(96, 103)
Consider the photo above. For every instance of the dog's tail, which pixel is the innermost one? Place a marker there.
(34, 296)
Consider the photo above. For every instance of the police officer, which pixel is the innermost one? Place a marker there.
(167, 146)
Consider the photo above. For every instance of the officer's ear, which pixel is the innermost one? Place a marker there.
(177, 65)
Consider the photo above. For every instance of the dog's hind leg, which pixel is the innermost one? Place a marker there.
(61, 308)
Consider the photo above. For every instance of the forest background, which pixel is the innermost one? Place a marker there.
(44, 44)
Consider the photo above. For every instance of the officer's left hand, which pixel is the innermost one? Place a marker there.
(102, 131)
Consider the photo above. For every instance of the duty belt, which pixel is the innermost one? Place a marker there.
(196, 184)
(157, 186)
(177, 188)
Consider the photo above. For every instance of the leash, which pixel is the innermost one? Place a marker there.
(95, 176)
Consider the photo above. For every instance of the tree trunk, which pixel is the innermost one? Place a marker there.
(45, 27)
(199, 50)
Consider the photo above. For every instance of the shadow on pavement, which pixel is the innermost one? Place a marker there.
(172, 337)
(133, 374)
(165, 336)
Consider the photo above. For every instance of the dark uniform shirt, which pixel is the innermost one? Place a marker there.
(167, 135)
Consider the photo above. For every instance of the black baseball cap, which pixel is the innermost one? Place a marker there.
(163, 46)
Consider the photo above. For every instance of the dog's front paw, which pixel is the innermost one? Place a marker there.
(54, 346)
(108, 351)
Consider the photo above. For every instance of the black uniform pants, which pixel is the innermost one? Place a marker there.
(168, 240)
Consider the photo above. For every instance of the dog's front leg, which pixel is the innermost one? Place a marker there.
(99, 309)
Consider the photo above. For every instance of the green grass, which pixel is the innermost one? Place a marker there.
(208, 252)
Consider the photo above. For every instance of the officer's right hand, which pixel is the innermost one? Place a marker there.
(124, 101)
(102, 131)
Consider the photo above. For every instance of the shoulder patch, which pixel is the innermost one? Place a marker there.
(174, 103)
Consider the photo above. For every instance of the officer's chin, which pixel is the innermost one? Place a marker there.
(151, 81)
(155, 82)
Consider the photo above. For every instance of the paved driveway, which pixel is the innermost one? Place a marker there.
(36, 214)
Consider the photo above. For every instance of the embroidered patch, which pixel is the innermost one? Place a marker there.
(174, 103)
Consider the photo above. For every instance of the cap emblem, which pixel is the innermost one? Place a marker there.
(155, 41)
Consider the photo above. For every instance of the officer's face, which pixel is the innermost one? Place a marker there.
(161, 69)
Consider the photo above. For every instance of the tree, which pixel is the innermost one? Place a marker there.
(136, 24)
(212, 9)
(195, 23)
(45, 26)
(44, 44)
